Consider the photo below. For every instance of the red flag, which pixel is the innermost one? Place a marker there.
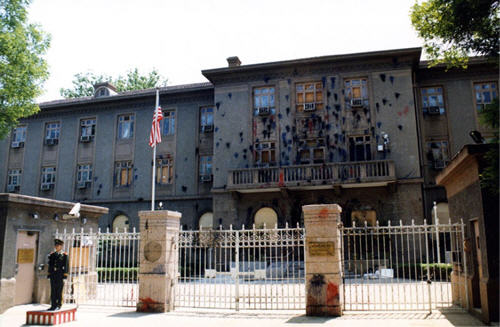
(155, 135)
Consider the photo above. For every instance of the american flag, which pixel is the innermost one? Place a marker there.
(155, 135)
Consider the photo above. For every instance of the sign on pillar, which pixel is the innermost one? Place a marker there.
(323, 266)
(159, 260)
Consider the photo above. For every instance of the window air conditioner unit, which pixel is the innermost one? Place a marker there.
(264, 111)
(81, 185)
(206, 178)
(439, 164)
(208, 128)
(310, 106)
(85, 138)
(434, 110)
(358, 102)
(51, 141)
(45, 187)
(16, 145)
(12, 188)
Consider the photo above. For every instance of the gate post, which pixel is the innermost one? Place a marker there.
(159, 259)
(323, 260)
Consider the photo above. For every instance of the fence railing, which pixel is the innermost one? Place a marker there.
(103, 267)
(317, 174)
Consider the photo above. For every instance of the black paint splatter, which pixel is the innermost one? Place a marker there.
(382, 77)
(332, 81)
(397, 95)
(217, 104)
(228, 145)
(400, 127)
(184, 189)
(229, 95)
(391, 78)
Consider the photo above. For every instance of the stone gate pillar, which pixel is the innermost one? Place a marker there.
(158, 255)
(322, 254)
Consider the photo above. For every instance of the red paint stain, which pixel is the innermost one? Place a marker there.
(146, 304)
(332, 294)
(323, 213)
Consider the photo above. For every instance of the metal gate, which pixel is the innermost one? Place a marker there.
(242, 269)
(103, 267)
(403, 267)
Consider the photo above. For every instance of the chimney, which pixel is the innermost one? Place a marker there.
(233, 61)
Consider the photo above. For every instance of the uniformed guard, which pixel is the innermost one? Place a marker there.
(58, 271)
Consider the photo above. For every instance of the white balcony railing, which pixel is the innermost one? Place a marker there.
(318, 174)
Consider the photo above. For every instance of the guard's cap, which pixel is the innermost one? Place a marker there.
(58, 242)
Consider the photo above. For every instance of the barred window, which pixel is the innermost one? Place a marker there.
(123, 173)
(164, 170)
(168, 122)
(309, 96)
(125, 127)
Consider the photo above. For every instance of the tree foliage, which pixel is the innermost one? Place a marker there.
(83, 83)
(452, 30)
(22, 66)
(489, 117)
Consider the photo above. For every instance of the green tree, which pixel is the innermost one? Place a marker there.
(490, 177)
(452, 30)
(83, 83)
(22, 66)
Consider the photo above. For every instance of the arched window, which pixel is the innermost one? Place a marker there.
(206, 221)
(121, 223)
(266, 216)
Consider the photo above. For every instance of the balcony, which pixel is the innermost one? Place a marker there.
(309, 177)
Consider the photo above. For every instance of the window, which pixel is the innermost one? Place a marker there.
(164, 170)
(205, 166)
(13, 180)
(123, 173)
(485, 93)
(437, 153)
(432, 100)
(309, 96)
(207, 119)
(125, 127)
(168, 122)
(312, 151)
(360, 148)
(356, 92)
(48, 178)
(52, 131)
(18, 137)
(84, 173)
(263, 101)
(87, 129)
(265, 153)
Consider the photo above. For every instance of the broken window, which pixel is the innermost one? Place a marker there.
(263, 101)
(485, 93)
(437, 153)
(312, 151)
(123, 173)
(125, 127)
(356, 92)
(265, 153)
(309, 96)
(360, 148)
(164, 170)
(168, 122)
(207, 119)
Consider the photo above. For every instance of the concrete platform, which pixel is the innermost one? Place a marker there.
(44, 317)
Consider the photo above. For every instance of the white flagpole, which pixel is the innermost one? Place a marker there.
(154, 155)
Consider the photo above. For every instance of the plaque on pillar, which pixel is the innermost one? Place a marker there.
(322, 254)
(158, 257)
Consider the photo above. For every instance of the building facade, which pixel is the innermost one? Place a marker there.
(368, 131)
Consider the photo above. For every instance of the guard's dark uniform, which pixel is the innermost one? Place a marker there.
(58, 271)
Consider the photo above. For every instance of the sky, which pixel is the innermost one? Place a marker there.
(180, 38)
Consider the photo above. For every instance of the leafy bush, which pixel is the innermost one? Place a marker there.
(117, 274)
(419, 271)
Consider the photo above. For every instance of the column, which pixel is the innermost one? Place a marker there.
(158, 255)
(322, 254)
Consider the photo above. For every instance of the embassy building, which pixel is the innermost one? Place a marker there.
(368, 131)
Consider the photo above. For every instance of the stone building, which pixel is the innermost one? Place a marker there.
(368, 131)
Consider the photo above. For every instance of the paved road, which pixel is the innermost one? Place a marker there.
(123, 317)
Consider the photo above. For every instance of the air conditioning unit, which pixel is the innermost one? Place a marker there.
(206, 178)
(51, 141)
(434, 110)
(264, 111)
(357, 102)
(439, 164)
(16, 145)
(12, 188)
(82, 185)
(309, 106)
(45, 187)
(85, 138)
(207, 128)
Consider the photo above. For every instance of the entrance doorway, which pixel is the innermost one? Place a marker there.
(26, 249)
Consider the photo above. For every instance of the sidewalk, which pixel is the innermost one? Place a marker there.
(123, 317)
